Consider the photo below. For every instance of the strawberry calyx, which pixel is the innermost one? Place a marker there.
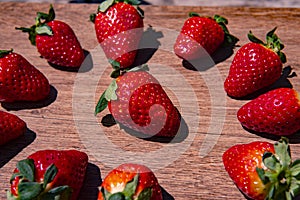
(25, 187)
(229, 39)
(40, 27)
(3, 53)
(280, 172)
(110, 93)
(273, 42)
(105, 5)
(128, 191)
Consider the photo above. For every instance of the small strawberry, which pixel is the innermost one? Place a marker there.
(275, 112)
(262, 170)
(19, 80)
(119, 28)
(55, 40)
(201, 35)
(11, 127)
(49, 174)
(256, 65)
(130, 181)
(138, 101)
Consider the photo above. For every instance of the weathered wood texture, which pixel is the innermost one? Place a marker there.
(189, 169)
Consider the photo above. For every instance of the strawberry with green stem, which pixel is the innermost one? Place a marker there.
(55, 40)
(262, 170)
(201, 36)
(49, 174)
(20, 80)
(256, 65)
(137, 100)
(130, 181)
(119, 28)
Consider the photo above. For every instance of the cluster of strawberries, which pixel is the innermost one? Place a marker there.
(260, 170)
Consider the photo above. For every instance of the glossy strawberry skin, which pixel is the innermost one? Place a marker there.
(119, 30)
(241, 161)
(275, 112)
(71, 165)
(11, 127)
(198, 34)
(124, 173)
(21, 81)
(144, 106)
(254, 67)
(62, 48)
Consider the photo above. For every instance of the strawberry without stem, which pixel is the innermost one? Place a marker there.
(49, 174)
(138, 101)
(130, 181)
(55, 40)
(275, 112)
(256, 65)
(262, 170)
(201, 35)
(11, 127)
(119, 28)
(19, 80)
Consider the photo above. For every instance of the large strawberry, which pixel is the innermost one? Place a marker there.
(11, 127)
(275, 112)
(201, 36)
(130, 181)
(138, 101)
(119, 28)
(262, 170)
(49, 174)
(19, 80)
(55, 40)
(256, 65)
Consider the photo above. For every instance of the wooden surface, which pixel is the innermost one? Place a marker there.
(186, 168)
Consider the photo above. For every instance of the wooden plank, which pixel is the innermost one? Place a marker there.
(186, 169)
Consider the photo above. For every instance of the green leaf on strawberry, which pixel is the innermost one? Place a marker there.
(273, 42)
(5, 52)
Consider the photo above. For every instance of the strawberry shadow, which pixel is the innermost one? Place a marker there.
(11, 149)
(166, 195)
(22, 105)
(206, 62)
(91, 183)
(282, 82)
(293, 138)
(86, 66)
(148, 45)
(108, 121)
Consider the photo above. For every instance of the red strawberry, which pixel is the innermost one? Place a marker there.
(19, 80)
(55, 40)
(256, 65)
(130, 181)
(119, 28)
(11, 127)
(138, 101)
(275, 112)
(201, 35)
(262, 170)
(49, 174)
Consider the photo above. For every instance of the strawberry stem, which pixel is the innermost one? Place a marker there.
(5, 52)
(273, 42)
(40, 26)
(281, 173)
(105, 5)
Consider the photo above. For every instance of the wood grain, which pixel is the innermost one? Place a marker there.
(190, 168)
